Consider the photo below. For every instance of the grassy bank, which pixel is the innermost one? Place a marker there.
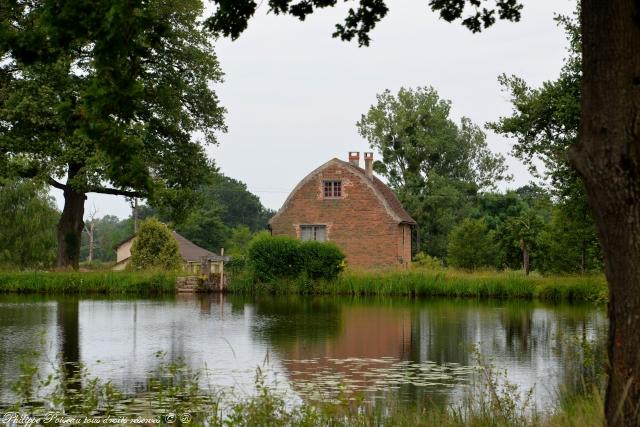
(98, 282)
(444, 283)
(415, 283)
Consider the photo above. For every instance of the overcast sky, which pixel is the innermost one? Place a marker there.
(294, 93)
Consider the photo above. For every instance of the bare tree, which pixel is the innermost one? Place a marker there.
(89, 228)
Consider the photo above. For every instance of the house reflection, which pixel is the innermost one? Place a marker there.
(366, 344)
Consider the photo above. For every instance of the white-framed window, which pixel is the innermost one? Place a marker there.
(313, 232)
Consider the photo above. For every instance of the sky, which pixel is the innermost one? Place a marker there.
(293, 93)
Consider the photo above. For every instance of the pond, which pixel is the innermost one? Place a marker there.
(312, 347)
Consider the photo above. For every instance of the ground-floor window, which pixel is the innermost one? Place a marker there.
(313, 232)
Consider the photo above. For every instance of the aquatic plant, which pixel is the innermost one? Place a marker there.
(173, 394)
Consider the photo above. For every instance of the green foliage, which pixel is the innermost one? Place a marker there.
(155, 248)
(321, 260)
(281, 257)
(173, 388)
(238, 206)
(110, 95)
(569, 243)
(545, 123)
(426, 261)
(435, 165)
(224, 205)
(108, 232)
(273, 258)
(439, 283)
(545, 120)
(471, 245)
(238, 242)
(232, 17)
(205, 229)
(100, 282)
(27, 225)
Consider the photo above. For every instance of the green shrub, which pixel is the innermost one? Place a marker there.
(321, 260)
(155, 248)
(427, 262)
(281, 257)
(273, 258)
(236, 264)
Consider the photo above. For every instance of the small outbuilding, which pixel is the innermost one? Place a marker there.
(346, 204)
(191, 254)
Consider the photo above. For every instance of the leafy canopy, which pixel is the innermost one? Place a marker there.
(114, 103)
(232, 16)
(435, 165)
(27, 225)
(471, 245)
(544, 122)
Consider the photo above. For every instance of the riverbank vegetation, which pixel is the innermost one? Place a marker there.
(173, 392)
(433, 283)
(284, 265)
(95, 282)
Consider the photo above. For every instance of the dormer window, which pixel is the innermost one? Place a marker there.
(332, 189)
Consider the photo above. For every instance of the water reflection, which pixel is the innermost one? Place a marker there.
(68, 320)
(413, 349)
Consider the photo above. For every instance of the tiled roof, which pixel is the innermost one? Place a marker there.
(189, 250)
(388, 195)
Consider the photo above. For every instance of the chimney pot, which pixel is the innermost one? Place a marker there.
(368, 165)
(354, 158)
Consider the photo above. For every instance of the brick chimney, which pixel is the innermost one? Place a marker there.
(368, 165)
(354, 158)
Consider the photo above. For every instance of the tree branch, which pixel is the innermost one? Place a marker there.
(102, 190)
(52, 182)
(116, 192)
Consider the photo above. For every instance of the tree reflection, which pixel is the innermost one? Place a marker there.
(69, 343)
(296, 321)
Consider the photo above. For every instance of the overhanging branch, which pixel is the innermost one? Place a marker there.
(102, 190)
(52, 182)
(116, 192)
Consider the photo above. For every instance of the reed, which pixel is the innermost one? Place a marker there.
(98, 282)
(438, 283)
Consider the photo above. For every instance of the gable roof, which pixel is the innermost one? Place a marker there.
(189, 251)
(386, 196)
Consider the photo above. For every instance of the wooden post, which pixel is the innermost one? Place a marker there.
(222, 270)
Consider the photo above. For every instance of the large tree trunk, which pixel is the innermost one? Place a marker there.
(71, 224)
(608, 158)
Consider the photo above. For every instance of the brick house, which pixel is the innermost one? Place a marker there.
(345, 204)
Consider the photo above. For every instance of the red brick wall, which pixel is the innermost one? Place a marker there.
(357, 222)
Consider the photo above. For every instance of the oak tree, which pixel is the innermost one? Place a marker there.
(106, 96)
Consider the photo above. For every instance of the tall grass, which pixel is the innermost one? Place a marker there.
(99, 282)
(438, 283)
